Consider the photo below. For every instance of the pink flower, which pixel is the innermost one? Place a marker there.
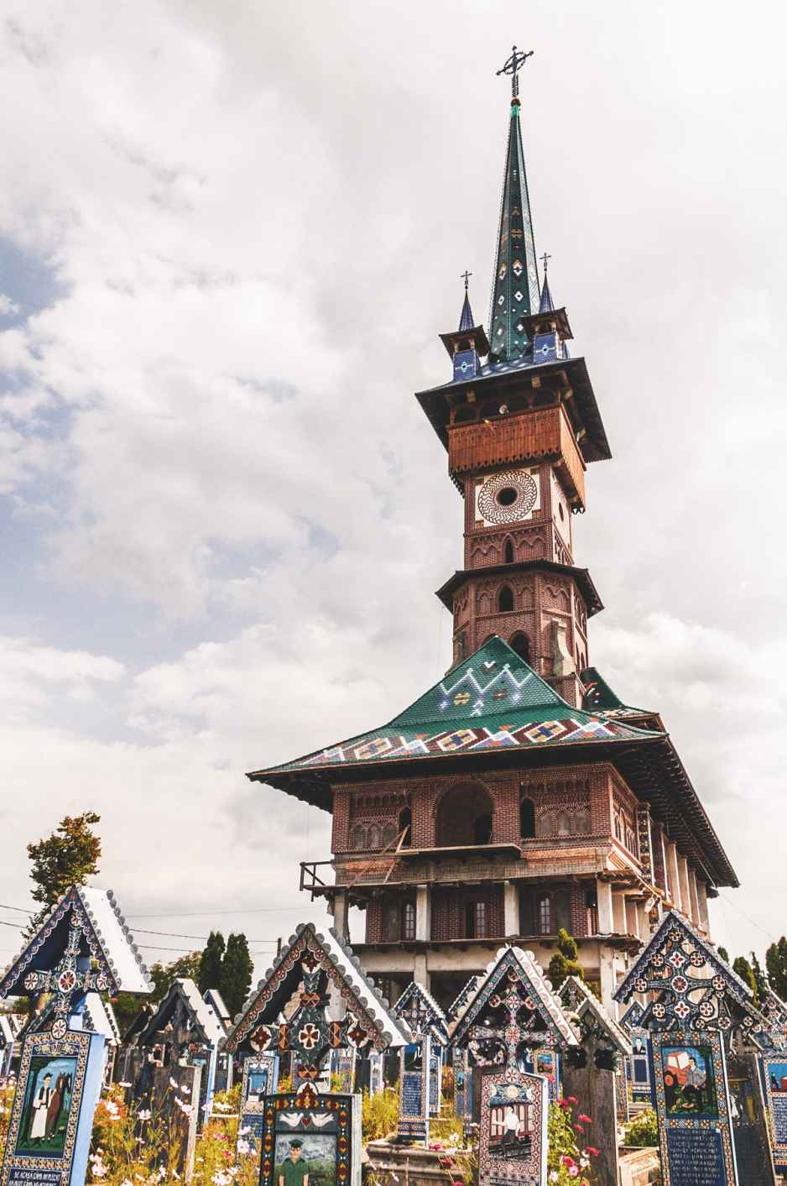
(583, 1119)
(592, 1151)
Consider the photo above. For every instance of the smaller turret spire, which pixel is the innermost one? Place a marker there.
(546, 304)
(466, 319)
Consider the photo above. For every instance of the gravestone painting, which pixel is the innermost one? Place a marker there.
(419, 1082)
(258, 1079)
(82, 947)
(310, 1137)
(512, 1145)
(773, 1068)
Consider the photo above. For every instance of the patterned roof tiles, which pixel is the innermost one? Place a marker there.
(491, 701)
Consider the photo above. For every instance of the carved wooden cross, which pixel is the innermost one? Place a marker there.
(70, 981)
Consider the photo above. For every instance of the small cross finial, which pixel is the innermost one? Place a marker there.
(512, 66)
(545, 258)
(466, 277)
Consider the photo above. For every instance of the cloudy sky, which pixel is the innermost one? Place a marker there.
(229, 236)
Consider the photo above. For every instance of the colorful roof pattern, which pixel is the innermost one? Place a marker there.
(491, 701)
(599, 697)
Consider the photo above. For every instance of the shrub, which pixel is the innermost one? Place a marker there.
(379, 1114)
(643, 1130)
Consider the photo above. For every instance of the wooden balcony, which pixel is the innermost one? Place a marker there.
(542, 434)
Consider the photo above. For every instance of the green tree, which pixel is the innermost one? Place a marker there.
(67, 857)
(742, 968)
(162, 975)
(760, 978)
(565, 962)
(776, 964)
(209, 974)
(236, 970)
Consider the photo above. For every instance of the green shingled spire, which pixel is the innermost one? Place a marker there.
(515, 294)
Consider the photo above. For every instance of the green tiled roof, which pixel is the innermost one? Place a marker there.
(491, 701)
(599, 697)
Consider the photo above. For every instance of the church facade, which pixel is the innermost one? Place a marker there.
(519, 795)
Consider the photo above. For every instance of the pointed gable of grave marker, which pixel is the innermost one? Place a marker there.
(204, 1025)
(513, 971)
(105, 938)
(418, 1008)
(591, 1015)
(693, 986)
(312, 962)
(462, 997)
(82, 946)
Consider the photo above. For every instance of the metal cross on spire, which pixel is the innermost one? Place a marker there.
(545, 258)
(512, 66)
(466, 277)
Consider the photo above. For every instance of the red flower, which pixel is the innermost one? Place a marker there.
(577, 1128)
(572, 1099)
(564, 1104)
(592, 1151)
(567, 1161)
(583, 1119)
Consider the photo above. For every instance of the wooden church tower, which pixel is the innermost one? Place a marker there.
(519, 795)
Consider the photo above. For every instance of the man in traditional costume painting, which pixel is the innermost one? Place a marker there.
(41, 1102)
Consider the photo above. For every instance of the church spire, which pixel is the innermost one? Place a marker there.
(515, 294)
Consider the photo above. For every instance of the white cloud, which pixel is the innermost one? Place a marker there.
(8, 308)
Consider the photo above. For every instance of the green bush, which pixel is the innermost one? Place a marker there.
(379, 1114)
(643, 1130)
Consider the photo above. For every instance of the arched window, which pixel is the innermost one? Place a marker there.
(374, 837)
(544, 914)
(464, 817)
(563, 824)
(527, 819)
(408, 920)
(520, 643)
(505, 600)
(406, 826)
(389, 835)
(357, 838)
(508, 552)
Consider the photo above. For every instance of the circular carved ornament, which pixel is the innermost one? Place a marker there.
(507, 497)
(59, 1028)
(66, 980)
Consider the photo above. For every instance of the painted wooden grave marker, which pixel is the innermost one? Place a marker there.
(82, 947)
(511, 1016)
(697, 1006)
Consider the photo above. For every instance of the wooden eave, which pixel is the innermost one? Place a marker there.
(573, 375)
(582, 577)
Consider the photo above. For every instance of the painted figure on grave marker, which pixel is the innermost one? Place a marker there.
(46, 1107)
(689, 1086)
